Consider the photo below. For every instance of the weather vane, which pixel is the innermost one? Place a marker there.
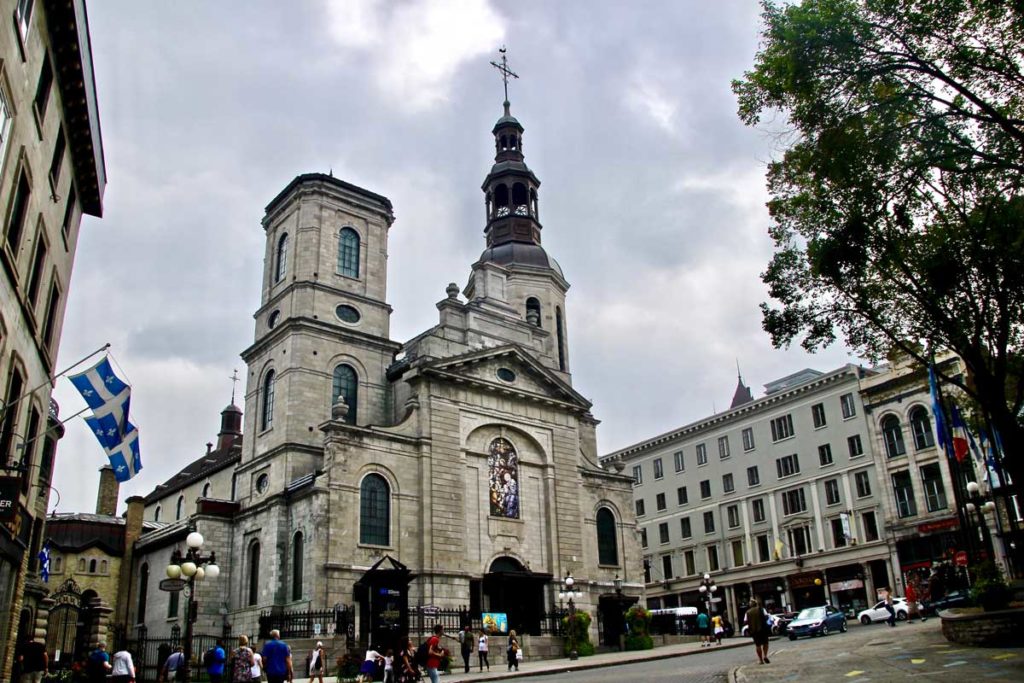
(234, 380)
(505, 71)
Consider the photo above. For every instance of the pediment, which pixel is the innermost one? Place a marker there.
(509, 370)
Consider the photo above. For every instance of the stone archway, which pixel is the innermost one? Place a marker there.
(511, 588)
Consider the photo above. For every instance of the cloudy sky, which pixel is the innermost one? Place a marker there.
(652, 198)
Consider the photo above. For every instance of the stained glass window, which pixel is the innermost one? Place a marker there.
(503, 479)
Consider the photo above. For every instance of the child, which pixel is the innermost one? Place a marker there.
(389, 666)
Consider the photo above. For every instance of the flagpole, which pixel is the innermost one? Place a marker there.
(1015, 546)
(51, 380)
(25, 443)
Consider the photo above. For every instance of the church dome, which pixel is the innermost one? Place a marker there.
(520, 254)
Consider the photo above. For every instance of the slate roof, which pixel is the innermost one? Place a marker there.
(198, 469)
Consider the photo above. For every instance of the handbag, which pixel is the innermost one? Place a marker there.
(519, 654)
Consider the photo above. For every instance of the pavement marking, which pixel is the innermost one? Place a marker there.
(917, 661)
(1008, 655)
(949, 652)
(959, 662)
(854, 673)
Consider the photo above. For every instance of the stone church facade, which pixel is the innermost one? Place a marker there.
(463, 458)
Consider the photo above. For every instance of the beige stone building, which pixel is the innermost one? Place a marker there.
(51, 172)
(461, 460)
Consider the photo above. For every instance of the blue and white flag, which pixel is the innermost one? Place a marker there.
(99, 385)
(44, 562)
(125, 457)
(111, 426)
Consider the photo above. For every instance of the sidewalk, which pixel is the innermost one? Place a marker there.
(544, 667)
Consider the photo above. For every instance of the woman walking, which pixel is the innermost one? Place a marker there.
(512, 650)
(122, 668)
(408, 672)
(316, 663)
(481, 650)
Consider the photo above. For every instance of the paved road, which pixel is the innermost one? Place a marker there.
(708, 666)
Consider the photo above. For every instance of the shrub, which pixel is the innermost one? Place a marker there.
(582, 643)
(990, 589)
(639, 642)
(638, 621)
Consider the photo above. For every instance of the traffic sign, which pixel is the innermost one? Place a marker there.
(172, 585)
(961, 559)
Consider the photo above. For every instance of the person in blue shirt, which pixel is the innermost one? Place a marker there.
(215, 667)
(98, 665)
(277, 659)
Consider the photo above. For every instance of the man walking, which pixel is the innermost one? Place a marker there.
(277, 659)
(466, 640)
(887, 597)
(35, 663)
(704, 629)
(174, 667)
(215, 662)
(759, 628)
(435, 653)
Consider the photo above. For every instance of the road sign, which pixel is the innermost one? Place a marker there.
(172, 585)
(961, 559)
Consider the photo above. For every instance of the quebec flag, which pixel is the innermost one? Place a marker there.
(110, 398)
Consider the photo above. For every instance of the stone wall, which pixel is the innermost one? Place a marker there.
(984, 629)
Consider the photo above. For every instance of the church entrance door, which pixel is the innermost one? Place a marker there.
(511, 588)
(612, 607)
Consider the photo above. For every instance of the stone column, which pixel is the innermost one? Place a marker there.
(101, 624)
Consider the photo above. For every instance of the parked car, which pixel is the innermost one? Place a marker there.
(815, 621)
(879, 613)
(957, 598)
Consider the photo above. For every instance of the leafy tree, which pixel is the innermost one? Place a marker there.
(897, 205)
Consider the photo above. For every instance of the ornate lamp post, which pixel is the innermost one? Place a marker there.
(707, 589)
(569, 593)
(192, 566)
(978, 505)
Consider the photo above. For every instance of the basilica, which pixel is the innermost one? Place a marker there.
(457, 469)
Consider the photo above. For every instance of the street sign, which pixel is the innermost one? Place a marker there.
(172, 585)
(961, 559)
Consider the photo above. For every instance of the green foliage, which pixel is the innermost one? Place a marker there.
(898, 202)
(577, 634)
(989, 588)
(638, 619)
(348, 666)
(636, 641)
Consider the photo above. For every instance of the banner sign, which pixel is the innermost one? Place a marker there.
(9, 487)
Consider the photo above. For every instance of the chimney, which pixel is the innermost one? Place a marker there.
(106, 497)
(132, 532)
(230, 427)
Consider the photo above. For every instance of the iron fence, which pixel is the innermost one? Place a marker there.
(149, 654)
(306, 623)
(422, 619)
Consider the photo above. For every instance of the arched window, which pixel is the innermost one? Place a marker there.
(281, 258)
(156, 514)
(533, 311)
(560, 338)
(267, 415)
(374, 511)
(206, 490)
(520, 199)
(254, 572)
(348, 252)
(92, 566)
(607, 545)
(297, 554)
(503, 479)
(179, 509)
(140, 616)
(921, 426)
(346, 383)
(893, 435)
(501, 201)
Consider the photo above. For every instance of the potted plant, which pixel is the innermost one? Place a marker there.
(990, 590)
(638, 625)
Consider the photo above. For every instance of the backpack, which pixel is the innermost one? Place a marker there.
(209, 657)
(422, 652)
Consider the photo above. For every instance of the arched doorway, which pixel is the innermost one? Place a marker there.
(511, 588)
(612, 608)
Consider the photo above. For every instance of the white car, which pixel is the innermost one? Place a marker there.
(879, 613)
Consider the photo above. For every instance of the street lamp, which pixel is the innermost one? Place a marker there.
(570, 593)
(707, 589)
(192, 566)
(981, 506)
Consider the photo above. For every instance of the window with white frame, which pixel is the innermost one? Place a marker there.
(681, 496)
(870, 526)
(788, 465)
(659, 469)
(723, 447)
(832, 492)
(666, 567)
(638, 475)
(934, 490)
(737, 554)
(793, 501)
(680, 463)
(689, 563)
(757, 509)
(921, 426)
(838, 535)
(782, 428)
(863, 483)
(685, 528)
(764, 553)
(799, 540)
(727, 483)
(825, 455)
(640, 508)
(855, 446)
(818, 415)
(892, 434)
(713, 565)
(643, 538)
(659, 502)
(903, 491)
(705, 489)
(663, 533)
(709, 522)
(748, 439)
(702, 454)
(733, 514)
(753, 476)
(848, 406)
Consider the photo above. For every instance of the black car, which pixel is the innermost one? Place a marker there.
(957, 598)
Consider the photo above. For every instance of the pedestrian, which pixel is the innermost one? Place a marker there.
(316, 663)
(277, 659)
(481, 650)
(174, 666)
(913, 600)
(389, 667)
(242, 661)
(759, 627)
(214, 660)
(466, 640)
(98, 664)
(887, 597)
(35, 663)
(435, 653)
(368, 670)
(512, 651)
(719, 628)
(122, 668)
(704, 629)
(256, 672)
(408, 672)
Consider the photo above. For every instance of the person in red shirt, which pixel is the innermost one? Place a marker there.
(435, 653)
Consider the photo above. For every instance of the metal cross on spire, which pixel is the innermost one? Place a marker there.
(505, 71)
(234, 381)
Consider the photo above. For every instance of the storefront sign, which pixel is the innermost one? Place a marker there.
(852, 584)
(9, 487)
(805, 580)
(941, 525)
(961, 559)
(172, 585)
